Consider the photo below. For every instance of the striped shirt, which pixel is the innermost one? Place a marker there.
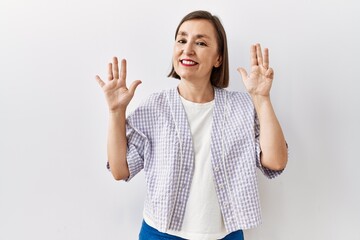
(160, 143)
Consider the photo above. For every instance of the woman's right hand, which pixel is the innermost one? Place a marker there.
(117, 94)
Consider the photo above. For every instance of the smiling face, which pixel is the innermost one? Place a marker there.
(196, 51)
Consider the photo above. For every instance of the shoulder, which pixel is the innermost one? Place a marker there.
(235, 96)
(239, 101)
(154, 99)
(151, 106)
(243, 96)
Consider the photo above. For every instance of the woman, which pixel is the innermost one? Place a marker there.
(198, 144)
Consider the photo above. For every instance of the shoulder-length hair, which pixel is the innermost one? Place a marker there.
(219, 75)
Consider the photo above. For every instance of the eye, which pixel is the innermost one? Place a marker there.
(182, 41)
(203, 44)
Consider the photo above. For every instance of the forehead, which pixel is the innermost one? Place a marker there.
(197, 27)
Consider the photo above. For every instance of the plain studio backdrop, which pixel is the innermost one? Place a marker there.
(53, 115)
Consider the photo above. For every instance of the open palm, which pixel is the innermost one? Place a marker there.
(116, 93)
(259, 81)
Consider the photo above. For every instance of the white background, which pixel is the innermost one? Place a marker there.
(53, 115)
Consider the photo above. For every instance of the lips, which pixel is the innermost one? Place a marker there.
(188, 62)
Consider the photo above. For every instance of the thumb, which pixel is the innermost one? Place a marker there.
(133, 86)
(100, 82)
(243, 73)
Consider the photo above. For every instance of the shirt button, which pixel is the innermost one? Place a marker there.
(216, 169)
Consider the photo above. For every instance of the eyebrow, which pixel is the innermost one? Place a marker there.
(185, 34)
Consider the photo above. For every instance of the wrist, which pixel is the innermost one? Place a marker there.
(117, 112)
(260, 100)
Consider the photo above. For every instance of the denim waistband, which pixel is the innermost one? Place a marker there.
(149, 233)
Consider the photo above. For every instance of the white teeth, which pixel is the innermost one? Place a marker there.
(188, 62)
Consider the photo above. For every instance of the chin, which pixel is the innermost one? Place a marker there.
(185, 77)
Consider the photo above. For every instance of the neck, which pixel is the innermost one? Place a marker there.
(199, 93)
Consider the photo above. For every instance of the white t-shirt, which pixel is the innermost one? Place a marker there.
(203, 219)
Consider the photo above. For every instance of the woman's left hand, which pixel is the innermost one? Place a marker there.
(258, 82)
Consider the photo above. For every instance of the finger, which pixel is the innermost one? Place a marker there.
(116, 67)
(259, 54)
(110, 72)
(123, 72)
(243, 73)
(100, 82)
(254, 61)
(266, 58)
(269, 73)
(133, 86)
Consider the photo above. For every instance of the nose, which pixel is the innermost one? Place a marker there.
(188, 48)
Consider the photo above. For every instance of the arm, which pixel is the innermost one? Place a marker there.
(258, 84)
(272, 142)
(117, 145)
(118, 97)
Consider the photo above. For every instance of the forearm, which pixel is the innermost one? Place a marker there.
(272, 142)
(117, 145)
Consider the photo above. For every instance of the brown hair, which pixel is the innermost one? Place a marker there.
(219, 75)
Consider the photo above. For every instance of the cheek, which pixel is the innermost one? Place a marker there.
(175, 61)
(176, 51)
(176, 54)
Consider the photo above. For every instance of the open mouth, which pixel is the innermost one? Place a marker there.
(188, 62)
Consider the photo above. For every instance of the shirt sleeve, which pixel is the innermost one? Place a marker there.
(136, 144)
(266, 171)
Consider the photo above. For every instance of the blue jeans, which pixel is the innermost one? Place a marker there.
(149, 233)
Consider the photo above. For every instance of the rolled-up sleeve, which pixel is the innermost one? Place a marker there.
(136, 143)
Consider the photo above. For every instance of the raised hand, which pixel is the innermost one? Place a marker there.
(258, 82)
(117, 94)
